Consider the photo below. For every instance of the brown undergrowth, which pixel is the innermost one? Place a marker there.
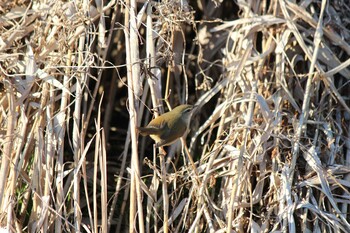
(268, 146)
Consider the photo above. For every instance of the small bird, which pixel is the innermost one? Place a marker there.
(168, 127)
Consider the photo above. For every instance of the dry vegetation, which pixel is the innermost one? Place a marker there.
(269, 140)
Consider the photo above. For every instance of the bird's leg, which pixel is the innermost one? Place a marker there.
(186, 151)
(162, 151)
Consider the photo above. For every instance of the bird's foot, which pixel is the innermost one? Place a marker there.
(162, 152)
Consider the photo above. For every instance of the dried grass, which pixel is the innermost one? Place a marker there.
(268, 149)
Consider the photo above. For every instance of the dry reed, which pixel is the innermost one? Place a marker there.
(268, 147)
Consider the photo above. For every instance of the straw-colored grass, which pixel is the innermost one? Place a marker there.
(268, 148)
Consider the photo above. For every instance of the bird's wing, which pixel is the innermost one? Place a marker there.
(151, 129)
